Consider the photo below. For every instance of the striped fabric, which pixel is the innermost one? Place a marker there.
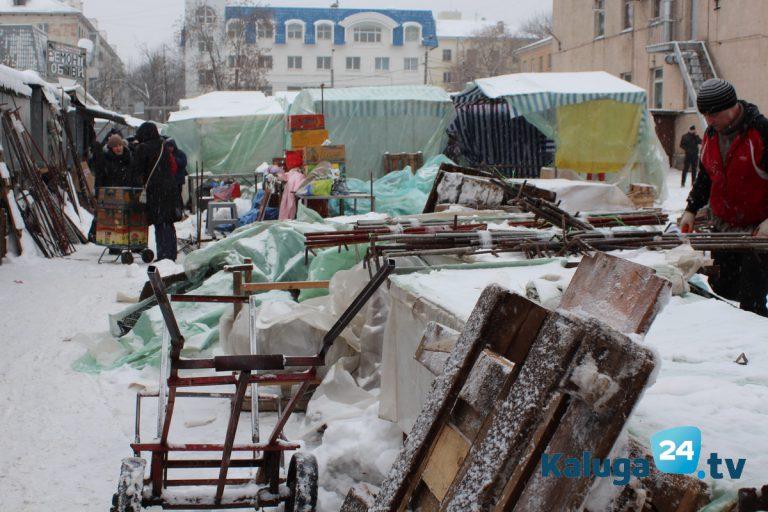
(488, 135)
(523, 104)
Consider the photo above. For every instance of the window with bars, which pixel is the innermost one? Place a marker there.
(367, 34)
(323, 63)
(353, 63)
(382, 63)
(294, 62)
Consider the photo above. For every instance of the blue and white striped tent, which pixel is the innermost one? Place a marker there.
(536, 97)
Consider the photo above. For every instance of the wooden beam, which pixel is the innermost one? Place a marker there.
(286, 285)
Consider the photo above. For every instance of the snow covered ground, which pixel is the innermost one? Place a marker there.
(64, 432)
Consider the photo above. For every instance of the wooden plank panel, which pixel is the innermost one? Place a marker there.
(494, 310)
(284, 285)
(622, 294)
(450, 450)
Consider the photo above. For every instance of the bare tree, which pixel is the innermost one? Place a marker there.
(488, 52)
(537, 26)
(109, 88)
(227, 56)
(158, 80)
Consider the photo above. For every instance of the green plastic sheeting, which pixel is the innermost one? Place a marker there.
(371, 121)
(399, 192)
(277, 252)
(232, 132)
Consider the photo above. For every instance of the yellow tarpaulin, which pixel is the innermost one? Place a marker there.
(597, 136)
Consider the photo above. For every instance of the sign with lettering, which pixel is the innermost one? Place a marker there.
(63, 60)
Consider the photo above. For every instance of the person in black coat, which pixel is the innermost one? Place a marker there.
(112, 163)
(151, 162)
(690, 143)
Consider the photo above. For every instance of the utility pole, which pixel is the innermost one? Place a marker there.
(333, 50)
(426, 64)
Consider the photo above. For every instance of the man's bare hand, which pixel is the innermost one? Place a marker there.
(686, 223)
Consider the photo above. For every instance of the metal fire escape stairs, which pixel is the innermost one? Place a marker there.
(695, 66)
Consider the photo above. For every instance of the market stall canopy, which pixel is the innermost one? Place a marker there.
(371, 121)
(600, 123)
(229, 132)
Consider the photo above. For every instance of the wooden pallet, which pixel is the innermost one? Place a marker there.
(521, 381)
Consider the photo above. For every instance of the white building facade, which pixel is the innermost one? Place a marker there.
(307, 47)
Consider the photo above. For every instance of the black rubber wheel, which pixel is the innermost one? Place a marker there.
(302, 482)
(130, 486)
(147, 256)
(126, 258)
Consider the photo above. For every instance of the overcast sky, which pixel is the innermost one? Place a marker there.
(131, 23)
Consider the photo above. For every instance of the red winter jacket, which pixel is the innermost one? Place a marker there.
(737, 191)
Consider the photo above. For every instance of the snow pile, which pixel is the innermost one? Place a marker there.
(13, 81)
(227, 104)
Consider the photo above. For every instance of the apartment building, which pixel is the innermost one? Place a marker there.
(668, 47)
(307, 47)
(536, 57)
(64, 22)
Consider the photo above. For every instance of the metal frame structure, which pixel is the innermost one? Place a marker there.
(240, 372)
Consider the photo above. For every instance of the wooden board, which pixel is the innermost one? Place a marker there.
(284, 285)
(622, 294)
(302, 139)
(451, 449)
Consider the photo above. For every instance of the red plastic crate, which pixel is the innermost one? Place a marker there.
(306, 122)
(293, 159)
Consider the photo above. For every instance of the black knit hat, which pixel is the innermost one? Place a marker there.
(715, 96)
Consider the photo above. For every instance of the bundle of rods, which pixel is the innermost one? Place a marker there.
(41, 208)
(534, 244)
(605, 220)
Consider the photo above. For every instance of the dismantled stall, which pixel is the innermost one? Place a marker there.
(371, 121)
(600, 124)
(229, 132)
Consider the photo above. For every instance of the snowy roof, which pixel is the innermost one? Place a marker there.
(591, 82)
(380, 93)
(37, 6)
(461, 28)
(535, 44)
(227, 104)
(14, 81)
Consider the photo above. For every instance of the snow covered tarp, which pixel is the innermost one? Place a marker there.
(600, 123)
(229, 132)
(371, 121)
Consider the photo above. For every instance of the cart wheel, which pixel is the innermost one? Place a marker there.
(302, 482)
(130, 486)
(126, 258)
(147, 256)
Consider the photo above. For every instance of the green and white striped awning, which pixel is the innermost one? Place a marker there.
(528, 93)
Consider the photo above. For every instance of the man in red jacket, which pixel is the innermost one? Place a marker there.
(733, 179)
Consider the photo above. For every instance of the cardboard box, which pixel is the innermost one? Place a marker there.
(139, 235)
(317, 154)
(115, 236)
(120, 217)
(306, 122)
(300, 140)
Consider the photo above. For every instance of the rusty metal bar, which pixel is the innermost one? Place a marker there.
(229, 440)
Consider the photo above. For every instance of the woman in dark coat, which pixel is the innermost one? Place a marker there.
(112, 163)
(163, 201)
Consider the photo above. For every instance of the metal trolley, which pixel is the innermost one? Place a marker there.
(297, 488)
(121, 224)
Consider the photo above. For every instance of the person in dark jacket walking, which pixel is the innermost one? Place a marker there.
(690, 143)
(152, 163)
(734, 181)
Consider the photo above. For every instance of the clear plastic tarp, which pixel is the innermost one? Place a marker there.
(371, 121)
(229, 132)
